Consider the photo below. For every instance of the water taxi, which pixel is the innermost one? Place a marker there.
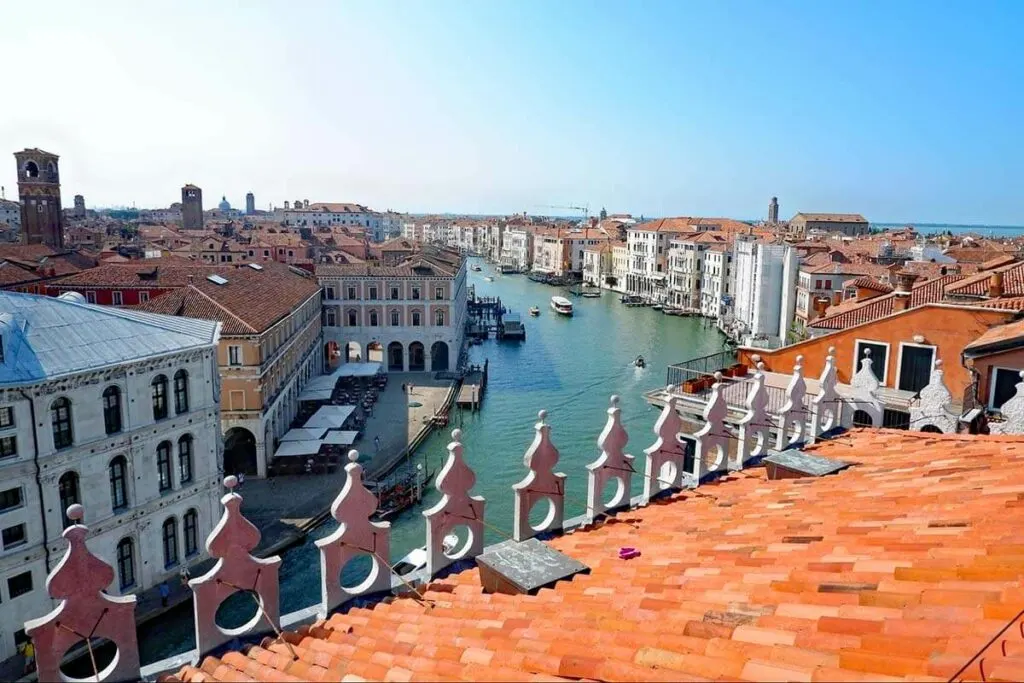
(475, 268)
(534, 311)
(489, 279)
(561, 305)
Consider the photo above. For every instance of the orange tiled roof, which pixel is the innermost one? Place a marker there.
(996, 338)
(830, 217)
(855, 312)
(1013, 282)
(904, 565)
(867, 282)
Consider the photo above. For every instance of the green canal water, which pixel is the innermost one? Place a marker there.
(568, 367)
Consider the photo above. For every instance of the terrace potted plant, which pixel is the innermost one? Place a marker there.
(690, 386)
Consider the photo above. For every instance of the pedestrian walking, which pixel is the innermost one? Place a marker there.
(241, 479)
(165, 593)
(28, 650)
(185, 576)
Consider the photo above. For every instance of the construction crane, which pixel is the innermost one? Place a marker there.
(584, 209)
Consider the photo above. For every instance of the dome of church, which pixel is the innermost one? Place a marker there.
(224, 206)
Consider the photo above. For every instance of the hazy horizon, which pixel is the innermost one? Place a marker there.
(654, 108)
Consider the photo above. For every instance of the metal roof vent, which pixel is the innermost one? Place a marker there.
(255, 266)
(217, 279)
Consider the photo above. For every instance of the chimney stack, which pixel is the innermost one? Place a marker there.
(904, 283)
(995, 285)
(837, 298)
(820, 306)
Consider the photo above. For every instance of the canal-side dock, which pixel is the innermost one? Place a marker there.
(471, 393)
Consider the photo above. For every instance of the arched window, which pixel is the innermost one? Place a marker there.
(112, 409)
(68, 487)
(126, 563)
(119, 483)
(191, 524)
(180, 392)
(352, 319)
(60, 419)
(163, 465)
(159, 386)
(439, 318)
(170, 536)
(373, 319)
(415, 318)
(185, 459)
(394, 319)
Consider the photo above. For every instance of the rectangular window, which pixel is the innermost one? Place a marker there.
(237, 400)
(394, 293)
(8, 446)
(1004, 386)
(13, 536)
(879, 358)
(143, 297)
(828, 284)
(10, 499)
(439, 293)
(6, 417)
(915, 367)
(330, 292)
(415, 293)
(351, 292)
(116, 298)
(90, 297)
(373, 293)
(234, 355)
(19, 584)
(817, 284)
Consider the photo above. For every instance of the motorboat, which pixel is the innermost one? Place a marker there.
(489, 279)
(475, 268)
(416, 560)
(640, 362)
(534, 311)
(561, 305)
(658, 307)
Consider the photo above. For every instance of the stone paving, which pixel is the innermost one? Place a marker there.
(280, 506)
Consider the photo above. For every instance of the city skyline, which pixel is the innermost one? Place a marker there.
(659, 109)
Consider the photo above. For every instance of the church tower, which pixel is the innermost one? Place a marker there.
(191, 208)
(42, 220)
(773, 211)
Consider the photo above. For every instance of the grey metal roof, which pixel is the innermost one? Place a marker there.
(44, 337)
(813, 465)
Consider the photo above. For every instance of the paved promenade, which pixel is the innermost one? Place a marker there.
(281, 506)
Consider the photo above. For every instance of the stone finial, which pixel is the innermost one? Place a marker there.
(232, 542)
(611, 465)
(540, 484)
(1013, 412)
(712, 452)
(664, 461)
(826, 407)
(456, 508)
(932, 406)
(356, 535)
(864, 396)
(754, 434)
(792, 422)
(80, 581)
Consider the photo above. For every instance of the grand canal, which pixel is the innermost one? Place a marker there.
(567, 366)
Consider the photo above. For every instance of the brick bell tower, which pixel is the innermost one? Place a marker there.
(42, 220)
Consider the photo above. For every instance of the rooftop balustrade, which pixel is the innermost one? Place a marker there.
(80, 580)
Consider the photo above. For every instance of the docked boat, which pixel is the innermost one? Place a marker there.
(489, 279)
(534, 311)
(561, 305)
(658, 307)
(416, 560)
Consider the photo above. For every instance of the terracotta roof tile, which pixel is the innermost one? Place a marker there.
(854, 312)
(898, 568)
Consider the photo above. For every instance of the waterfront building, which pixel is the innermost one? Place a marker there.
(649, 244)
(269, 349)
(410, 315)
(42, 219)
(559, 251)
(516, 248)
(716, 280)
(822, 278)
(620, 268)
(850, 224)
(117, 410)
(191, 208)
(597, 265)
(764, 292)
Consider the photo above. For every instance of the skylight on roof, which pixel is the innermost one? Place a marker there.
(255, 266)
(217, 279)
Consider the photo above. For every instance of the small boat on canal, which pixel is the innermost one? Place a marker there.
(489, 279)
(534, 311)
(561, 305)
(475, 268)
(640, 362)
(416, 560)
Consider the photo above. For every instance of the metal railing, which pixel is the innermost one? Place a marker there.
(695, 368)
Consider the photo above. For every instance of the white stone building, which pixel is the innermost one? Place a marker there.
(118, 410)
(716, 281)
(10, 212)
(411, 317)
(332, 213)
(620, 268)
(516, 248)
(649, 245)
(764, 294)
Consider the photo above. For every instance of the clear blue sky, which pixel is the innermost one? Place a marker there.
(903, 111)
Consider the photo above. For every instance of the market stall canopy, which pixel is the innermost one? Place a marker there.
(304, 434)
(320, 388)
(339, 438)
(297, 448)
(329, 417)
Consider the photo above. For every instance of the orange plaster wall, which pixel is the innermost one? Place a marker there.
(950, 329)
